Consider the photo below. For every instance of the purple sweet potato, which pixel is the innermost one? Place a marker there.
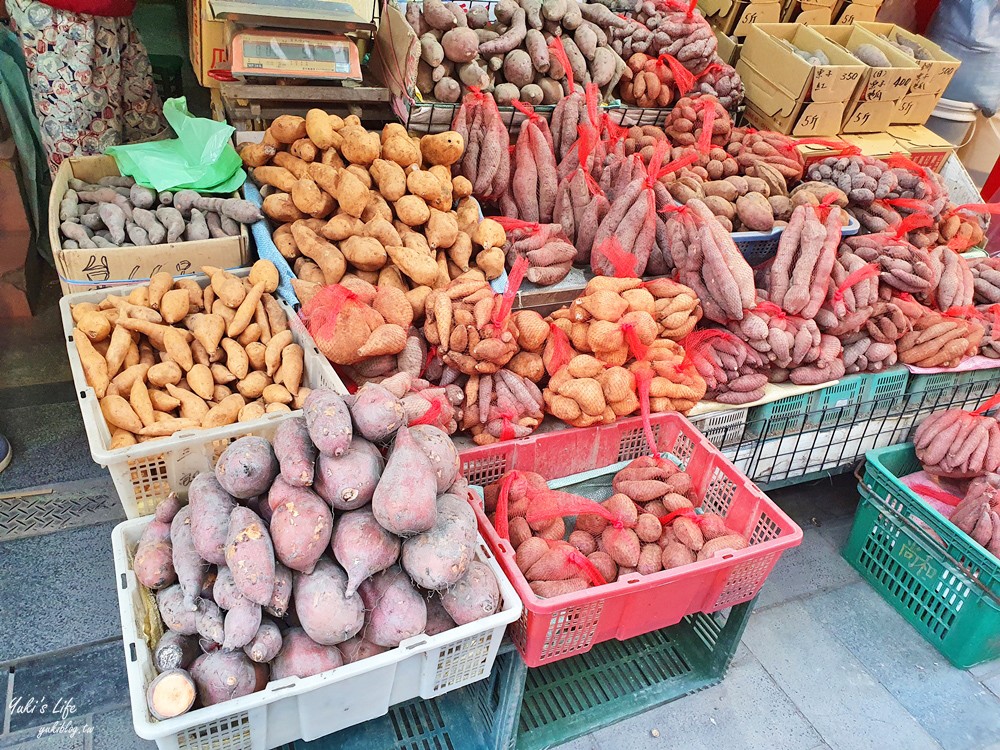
(175, 615)
(325, 611)
(474, 597)
(301, 656)
(250, 555)
(377, 414)
(210, 508)
(300, 529)
(209, 619)
(405, 501)
(395, 610)
(241, 625)
(357, 648)
(362, 546)
(282, 594)
(191, 568)
(348, 481)
(439, 557)
(247, 467)
(175, 651)
(222, 676)
(440, 449)
(328, 421)
(295, 452)
(438, 619)
(266, 642)
(153, 563)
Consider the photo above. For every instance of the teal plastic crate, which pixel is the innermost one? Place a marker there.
(480, 716)
(882, 393)
(941, 582)
(836, 405)
(782, 417)
(619, 679)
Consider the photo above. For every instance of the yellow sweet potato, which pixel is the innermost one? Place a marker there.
(330, 260)
(444, 148)
(319, 128)
(364, 253)
(278, 177)
(281, 208)
(95, 367)
(412, 210)
(288, 128)
(402, 150)
(359, 146)
(420, 267)
(390, 178)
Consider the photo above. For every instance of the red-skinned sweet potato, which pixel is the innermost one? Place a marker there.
(324, 609)
(348, 481)
(266, 642)
(357, 648)
(153, 563)
(241, 625)
(250, 555)
(301, 656)
(175, 615)
(475, 596)
(175, 651)
(405, 499)
(439, 557)
(295, 452)
(362, 546)
(438, 619)
(210, 506)
(377, 414)
(191, 569)
(440, 450)
(395, 610)
(247, 467)
(282, 594)
(222, 676)
(300, 529)
(328, 421)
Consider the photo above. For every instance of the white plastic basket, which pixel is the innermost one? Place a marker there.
(308, 708)
(144, 473)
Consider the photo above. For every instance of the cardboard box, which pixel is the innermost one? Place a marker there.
(914, 109)
(809, 12)
(206, 41)
(818, 151)
(935, 74)
(729, 49)
(924, 146)
(859, 11)
(880, 84)
(83, 270)
(735, 17)
(878, 145)
(791, 95)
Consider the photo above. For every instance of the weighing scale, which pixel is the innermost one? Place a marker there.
(290, 54)
(310, 15)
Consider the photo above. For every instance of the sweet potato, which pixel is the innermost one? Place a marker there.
(377, 414)
(247, 467)
(362, 547)
(222, 676)
(475, 596)
(328, 421)
(301, 656)
(190, 567)
(440, 450)
(175, 651)
(170, 694)
(349, 482)
(176, 616)
(225, 591)
(153, 563)
(358, 648)
(209, 620)
(250, 555)
(439, 557)
(241, 625)
(327, 614)
(395, 610)
(404, 500)
(281, 596)
(438, 619)
(210, 506)
(300, 529)
(295, 452)
(266, 642)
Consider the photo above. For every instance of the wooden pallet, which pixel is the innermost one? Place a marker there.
(252, 106)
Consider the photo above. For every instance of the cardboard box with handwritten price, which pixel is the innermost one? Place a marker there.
(736, 17)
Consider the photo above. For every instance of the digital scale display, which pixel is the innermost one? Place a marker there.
(337, 55)
(282, 54)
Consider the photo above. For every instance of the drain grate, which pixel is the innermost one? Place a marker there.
(42, 510)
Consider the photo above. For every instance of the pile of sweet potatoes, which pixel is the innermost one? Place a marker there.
(565, 543)
(174, 356)
(311, 550)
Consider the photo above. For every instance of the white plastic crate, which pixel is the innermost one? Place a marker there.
(308, 708)
(145, 472)
(722, 428)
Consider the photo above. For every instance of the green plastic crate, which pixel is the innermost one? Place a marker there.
(480, 716)
(782, 417)
(882, 393)
(836, 405)
(942, 582)
(619, 679)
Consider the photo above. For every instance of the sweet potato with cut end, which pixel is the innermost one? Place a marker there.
(190, 567)
(247, 467)
(395, 609)
(376, 412)
(266, 642)
(475, 596)
(358, 648)
(175, 651)
(170, 694)
(348, 482)
(440, 449)
(439, 557)
(405, 498)
(250, 555)
(301, 656)
(362, 546)
(324, 609)
(300, 529)
(222, 676)
(328, 421)
(438, 619)
(173, 612)
(295, 452)
(210, 506)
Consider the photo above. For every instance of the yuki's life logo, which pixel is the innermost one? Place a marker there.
(60, 714)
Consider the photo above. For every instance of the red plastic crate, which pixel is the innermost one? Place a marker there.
(558, 627)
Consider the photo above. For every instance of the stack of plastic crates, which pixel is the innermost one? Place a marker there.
(935, 575)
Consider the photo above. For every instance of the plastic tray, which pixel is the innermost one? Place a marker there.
(932, 573)
(951, 390)
(558, 627)
(296, 708)
(618, 679)
(145, 472)
(760, 247)
(723, 428)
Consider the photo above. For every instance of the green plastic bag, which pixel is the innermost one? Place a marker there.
(201, 158)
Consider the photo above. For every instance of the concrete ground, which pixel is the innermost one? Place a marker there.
(825, 663)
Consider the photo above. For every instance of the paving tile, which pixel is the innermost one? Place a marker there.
(69, 686)
(57, 591)
(993, 684)
(32, 350)
(50, 445)
(813, 566)
(824, 499)
(830, 686)
(837, 531)
(985, 670)
(949, 703)
(113, 730)
(587, 742)
(31, 739)
(747, 710)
